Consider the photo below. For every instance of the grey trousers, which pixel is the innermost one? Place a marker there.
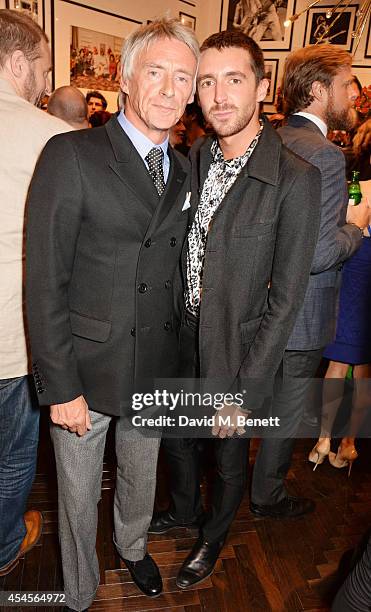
(273, 459)
(79, 470)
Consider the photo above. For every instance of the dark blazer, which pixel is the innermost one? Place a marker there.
(316, 321)
(102, 249)
(258, 258)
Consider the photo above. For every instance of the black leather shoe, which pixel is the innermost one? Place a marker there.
(146, 575)
(164, 521)
(199, 564)
(290, 507)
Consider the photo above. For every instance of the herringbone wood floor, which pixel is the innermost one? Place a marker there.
(266, 565)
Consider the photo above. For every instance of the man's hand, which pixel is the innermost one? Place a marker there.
(360, 215)
(226, 423)
(73, 415)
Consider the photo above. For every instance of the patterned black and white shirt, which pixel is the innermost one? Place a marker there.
(220, 178)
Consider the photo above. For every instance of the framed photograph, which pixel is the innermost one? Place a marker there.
(368, 41)
(340, 33)
(95, 60)
(271, 72)
(263, 20)
(188, 20)
(87, 46)
(32, 8)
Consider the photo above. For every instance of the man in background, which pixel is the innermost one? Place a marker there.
(318, 95)
(24, 130)
(69, 104)
(96, 102)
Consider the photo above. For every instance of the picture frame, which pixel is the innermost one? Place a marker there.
(368, 40)
(64, 15)
(33, 8)
(271, 73)
(187, 20)
(341, 33)
(263, 20)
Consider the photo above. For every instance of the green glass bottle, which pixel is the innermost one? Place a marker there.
(354, 189)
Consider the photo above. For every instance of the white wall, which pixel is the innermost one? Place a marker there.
(206, 12)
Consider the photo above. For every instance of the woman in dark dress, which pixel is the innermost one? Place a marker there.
(352, 346)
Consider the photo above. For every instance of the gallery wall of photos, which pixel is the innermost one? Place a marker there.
(86, 37)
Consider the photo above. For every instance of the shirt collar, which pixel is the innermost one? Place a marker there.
(142, 143)
(315, 119)
(236, 161)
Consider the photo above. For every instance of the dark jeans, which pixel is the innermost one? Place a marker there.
(19, 434)
(291, 389)
(231, 457)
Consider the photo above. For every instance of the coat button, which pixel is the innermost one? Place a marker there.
(142, 288)
(167, 284)
(132, 331)
(167, 326)
(40, 389)
(148, 243)
(173, 242)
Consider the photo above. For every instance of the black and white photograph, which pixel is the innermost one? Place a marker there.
(336, 29)
(32, 8)
(262, 20)
(271, 70)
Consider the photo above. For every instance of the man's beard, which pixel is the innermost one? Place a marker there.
(232, 126)
(30, 93)
(338, 120)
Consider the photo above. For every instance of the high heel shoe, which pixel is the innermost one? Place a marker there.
(319, 452)
(344, 457)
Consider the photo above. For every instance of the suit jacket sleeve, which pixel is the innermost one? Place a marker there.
(296, 237)
(336, 241)
(54, 216)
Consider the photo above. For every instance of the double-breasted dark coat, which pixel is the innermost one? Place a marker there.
(258, 258)
(102, 249)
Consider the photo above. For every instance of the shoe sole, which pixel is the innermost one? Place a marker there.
(184, 588)
(171, 528)
(278, 517)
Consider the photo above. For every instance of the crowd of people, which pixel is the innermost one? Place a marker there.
(125, 263)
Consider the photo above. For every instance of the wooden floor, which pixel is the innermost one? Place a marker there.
(266, 565)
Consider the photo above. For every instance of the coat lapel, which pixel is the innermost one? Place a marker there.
(129, 166)
(174, 184)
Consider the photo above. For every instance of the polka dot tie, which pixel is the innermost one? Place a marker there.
(154, 160)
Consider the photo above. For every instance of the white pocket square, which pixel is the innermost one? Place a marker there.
(187, 201)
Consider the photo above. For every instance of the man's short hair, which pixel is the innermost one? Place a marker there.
(69, 104)
(97, 94)
(18, 32)
(305, 66)
(144, 36)
(236, 38)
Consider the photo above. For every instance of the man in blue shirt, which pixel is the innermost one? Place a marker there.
(106, 226)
